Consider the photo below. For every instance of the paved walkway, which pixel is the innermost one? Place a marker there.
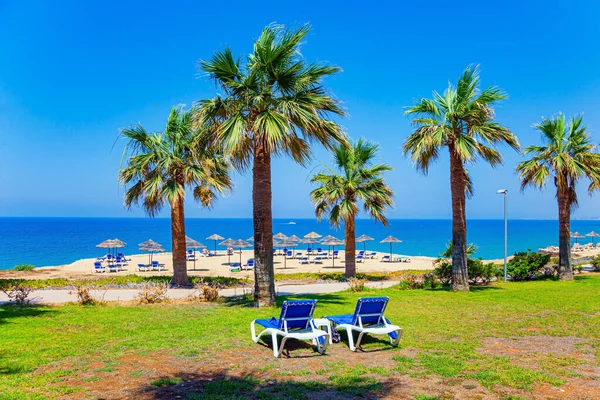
(66, 296)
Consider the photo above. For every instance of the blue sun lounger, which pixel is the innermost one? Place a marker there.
(294, 322)
(367, 318)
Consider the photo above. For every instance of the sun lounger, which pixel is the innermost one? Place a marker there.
(235, 267)
(158, 267)
(298, 254)
(360, 258)
(367, 318)
(385, 259)
(191, 255)
(371, 255)
(303, 260)
(294, 322)
(289, 254)
(113, 268)
(317, 260)
(98, 267)
(249, 264)
(144, 268)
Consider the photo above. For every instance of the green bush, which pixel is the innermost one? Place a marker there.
(24, 267)
(478, 271)
(526, 264)
(596, 262)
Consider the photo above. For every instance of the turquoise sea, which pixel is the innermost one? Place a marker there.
(57, 241)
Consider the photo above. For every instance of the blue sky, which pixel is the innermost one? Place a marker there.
(72, 73)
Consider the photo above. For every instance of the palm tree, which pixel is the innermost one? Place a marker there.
(567, 155)
(338, 194)
(462, 120)
(273, 104)
(162, 165)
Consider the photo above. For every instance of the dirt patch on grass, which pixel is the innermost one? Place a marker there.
(542, 344)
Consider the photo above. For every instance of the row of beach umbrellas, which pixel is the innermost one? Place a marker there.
(279, 240)
(577, 235)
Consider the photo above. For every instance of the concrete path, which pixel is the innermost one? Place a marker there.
(66, 296)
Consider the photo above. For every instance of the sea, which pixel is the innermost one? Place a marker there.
(59, 241)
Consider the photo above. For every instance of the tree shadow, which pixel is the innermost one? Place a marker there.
(222, 384)
(10, 311)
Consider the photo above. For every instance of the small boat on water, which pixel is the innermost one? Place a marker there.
(291, 223)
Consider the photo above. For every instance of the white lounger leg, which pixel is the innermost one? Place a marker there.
(277, 352)
(350, 339)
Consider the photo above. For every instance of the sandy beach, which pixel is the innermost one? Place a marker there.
(217, 266)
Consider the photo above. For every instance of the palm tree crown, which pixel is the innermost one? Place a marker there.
(274, 100)
(339, 194)
(568, 155)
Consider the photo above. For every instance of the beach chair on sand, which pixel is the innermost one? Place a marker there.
(98, 267)
(303, 260)
(317, 260)
(249, 264)
(294, 322)
(386, 259)
(158, 267)
(367, 318)
(144, 268)
(235, 267)
(191, 255)
(360, 258)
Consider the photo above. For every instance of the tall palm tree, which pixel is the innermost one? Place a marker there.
(273, 104)
(339, 194)
(162, 165)
(567, 156)
(462, 120)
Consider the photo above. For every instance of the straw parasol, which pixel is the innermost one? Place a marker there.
(250, 239)
(193, 244)
(241, 244)
(577, 236)
(312, 235)
(280, 236)
(151, 247)
(391, 240)
(332, 241)
(308, 242)
(215, 237)
(364, 239)
(286, 243)
(227, 243)
(294, 238)
(593, 235)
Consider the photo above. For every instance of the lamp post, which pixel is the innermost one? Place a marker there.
(505, 192)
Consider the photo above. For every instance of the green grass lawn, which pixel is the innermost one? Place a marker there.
(505, 340)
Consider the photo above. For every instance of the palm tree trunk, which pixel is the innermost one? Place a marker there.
(350, 248)
(565, 271)
(460, 273)
(180, 277)
(264, 279)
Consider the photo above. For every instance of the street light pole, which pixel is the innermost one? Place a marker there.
(505, 193)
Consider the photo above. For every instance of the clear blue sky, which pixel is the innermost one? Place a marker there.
(72, 73)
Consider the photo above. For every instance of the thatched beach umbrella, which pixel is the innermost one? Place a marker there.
(332, 241)
(241, 244)
(193, 244)
(227, 243)
(250, 239)
(215, 238)
(151, 247)
(577, 236)
(286, 243)
(294, 238)
(390, 240)
(593, 235)
(364, 239)
(280, 236)
(312, 235)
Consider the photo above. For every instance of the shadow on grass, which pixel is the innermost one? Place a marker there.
(10, 311)
(246, 385)
(329, 298)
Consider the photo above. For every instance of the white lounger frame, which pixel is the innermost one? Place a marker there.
(307, 334)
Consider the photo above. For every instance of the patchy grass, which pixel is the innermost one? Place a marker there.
(52, 352)
(339, 276)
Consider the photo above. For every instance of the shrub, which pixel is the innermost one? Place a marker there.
(18, 294)
(85, 298)
(477, 270)
(524, 265)
(210, 293)
(153, 292)
(356, 284)
(596, 263)
(24, 267)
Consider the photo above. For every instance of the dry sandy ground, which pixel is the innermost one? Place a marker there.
(218, 266)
